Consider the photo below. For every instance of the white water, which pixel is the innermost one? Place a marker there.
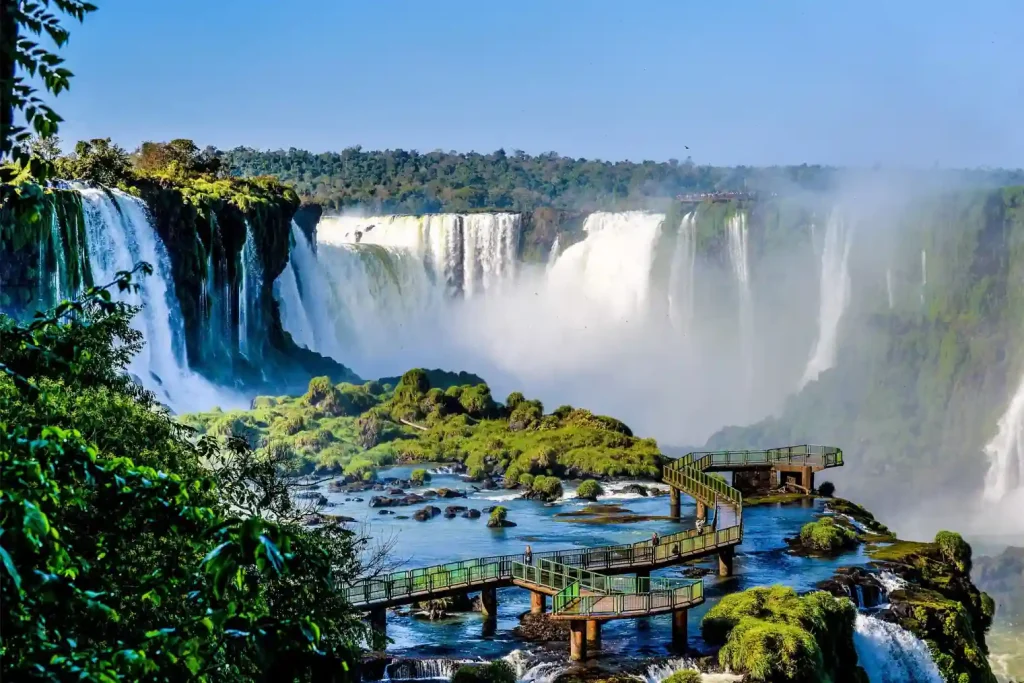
(531, 669)
(891, 582)
(119, 235)
(835, 295)
(589, 328)
(682, 276)
(888, 287)
(739, 257)
(249, 324)
(659, 672)
(555, 251)
(891, 654)
(1005, 477)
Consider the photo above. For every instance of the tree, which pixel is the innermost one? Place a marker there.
(18, 20)
(123, 555)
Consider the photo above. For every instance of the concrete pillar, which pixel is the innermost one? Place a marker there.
(593, 635)
(725, 557)
(679, 632)
(674, 505)
(808, 478)
(489, 603)
(702, 510)
(578, 640)
(537, 601)
(379, 620)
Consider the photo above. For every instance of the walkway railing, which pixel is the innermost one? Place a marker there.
(687, 474)
(586, 593)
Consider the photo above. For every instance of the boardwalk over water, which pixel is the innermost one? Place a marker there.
(583, 582)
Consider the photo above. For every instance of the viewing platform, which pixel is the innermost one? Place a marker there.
(584, 583)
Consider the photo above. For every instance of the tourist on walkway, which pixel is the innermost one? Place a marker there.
(528, 555)
(700, 525)
(655, 540)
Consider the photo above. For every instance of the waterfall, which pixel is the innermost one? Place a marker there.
(924, 273)
(423, 669)
(469, 253)
(248, 299)
(888, 287)
(835, 295)
(891, 654)
(612, 266)
(119, 235)
(739, 258)
(682, 275)
(1005, 453)
(531, 669)
(656, 673)
(553, 255)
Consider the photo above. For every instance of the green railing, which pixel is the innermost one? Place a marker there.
(686, 474)
(588, 593)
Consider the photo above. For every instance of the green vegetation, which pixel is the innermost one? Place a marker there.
(355, 429)
(684, 676)
(494, 672)
(130, 551)
(826, 535)
(419, 477)
(940, 604)
(548, 489)
(827, 489)
(499, 517)
(589, 490)
(771, 634)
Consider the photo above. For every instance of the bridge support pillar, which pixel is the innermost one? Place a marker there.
(578, 640)
(725, 558)
(674, 506)
(593, 635)
(642, 574)
(378, 619)
(679, 630)
(489, 603)
(702, 510)
(808, 479)
(537, 603)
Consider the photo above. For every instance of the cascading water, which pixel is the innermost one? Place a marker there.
(891, 654)
(739, 258)
(682, 276)
(249, 324)
(835, 295)
(423, 669)
(553, 255)
(119, 235)
(1005, 477)
(531, 669)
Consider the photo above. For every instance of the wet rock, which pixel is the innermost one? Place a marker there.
(455, 509)
(634, 489)
(401, 516)
(448, 493)
(857, 584)
(499, 524)
(429, 493)
(540, 628)
(428, 512)
(385, 512)
(396, 492)
(381, 502)
(471, 514)
(489, 509)
(460, 602)
(373, 666)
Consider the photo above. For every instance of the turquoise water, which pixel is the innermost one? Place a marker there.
(761, 560)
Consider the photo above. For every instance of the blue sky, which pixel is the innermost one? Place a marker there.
(756, 82)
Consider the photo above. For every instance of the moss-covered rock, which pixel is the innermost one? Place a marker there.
(827, 536)
(772, 634)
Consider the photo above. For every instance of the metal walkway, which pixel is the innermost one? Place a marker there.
(686, 475)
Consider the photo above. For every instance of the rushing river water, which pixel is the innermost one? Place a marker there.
(761, 560)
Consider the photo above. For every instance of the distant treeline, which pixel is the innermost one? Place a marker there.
(411, 182)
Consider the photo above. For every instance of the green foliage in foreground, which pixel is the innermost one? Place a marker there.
(131, 552)
(825, 535)
(772, 634)
(355, 429)
(494, 672)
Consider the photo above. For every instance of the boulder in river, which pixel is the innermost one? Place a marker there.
(448, 493)
(471, 514)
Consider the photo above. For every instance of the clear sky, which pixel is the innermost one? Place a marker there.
(903, 82)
